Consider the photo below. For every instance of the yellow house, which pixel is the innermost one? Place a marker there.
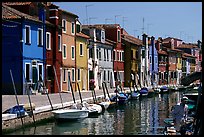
(132, 58)
(82, 61)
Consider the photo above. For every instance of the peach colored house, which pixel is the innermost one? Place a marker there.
(68, 21)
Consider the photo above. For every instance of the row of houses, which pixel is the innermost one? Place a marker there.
(41, 42)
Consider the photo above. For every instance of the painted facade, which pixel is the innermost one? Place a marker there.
(113, 32)
(68, 22)
(163, 63)
(100, 57)
(53, 50)
(23, 34)
(132, 46)
(82, 60)
(153, 62)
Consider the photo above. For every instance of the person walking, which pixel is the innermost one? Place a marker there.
(180, 113)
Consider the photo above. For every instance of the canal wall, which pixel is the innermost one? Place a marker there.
(43, 109)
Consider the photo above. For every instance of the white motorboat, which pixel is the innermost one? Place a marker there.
(92, 108)
(70, 113)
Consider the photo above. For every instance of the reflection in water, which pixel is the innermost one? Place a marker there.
(144, 116)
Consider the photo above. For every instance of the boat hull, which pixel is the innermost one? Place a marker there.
(70, 114)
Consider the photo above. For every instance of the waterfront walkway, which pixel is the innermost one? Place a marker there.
(42, 100)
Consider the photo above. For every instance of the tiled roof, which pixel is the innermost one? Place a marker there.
(102, 26)
(188, 55)
(10, 13)
(169, 39)
(110, 41)
(17, 3)
(69, 13)
(132, 39)
(185, 45)
(82, 35)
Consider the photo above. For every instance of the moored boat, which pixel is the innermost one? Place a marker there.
(70, 114)
(144, 91)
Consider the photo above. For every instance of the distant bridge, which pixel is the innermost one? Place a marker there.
(191, 78)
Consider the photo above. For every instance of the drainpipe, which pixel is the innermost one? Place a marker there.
(21, 58)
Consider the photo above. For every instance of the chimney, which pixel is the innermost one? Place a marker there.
(53, 12)
(144, 36)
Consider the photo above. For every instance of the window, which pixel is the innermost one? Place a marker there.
(150, 59)
(79, 75)
(104, 76)
(143, 53)
(102, 35)
(73, 29)
(59, 43)
(118, 35)
(48, 40)
(111, 56)
(81, 49)
(64, 75)
(27, 72)
(64, 25)
(64, 51)
(49, 72)
(40, 37)
(107, 55)
(73, 74)
(104, 53)
(72, 54)
(114, 55)
(99, 53)
(78, 28)
(108, 76)
(27, 35)
(40, 70)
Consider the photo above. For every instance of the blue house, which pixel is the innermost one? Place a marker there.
(153, 61)
(22, 49)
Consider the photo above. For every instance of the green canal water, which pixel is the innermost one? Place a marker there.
(138, 117)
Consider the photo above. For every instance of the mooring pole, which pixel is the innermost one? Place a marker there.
(79, 93)
(16, 96)
(46, 93)
(104, 91)
(29, 98)
(72, 90)
(58, 86)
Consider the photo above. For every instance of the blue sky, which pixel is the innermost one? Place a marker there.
(161, 19)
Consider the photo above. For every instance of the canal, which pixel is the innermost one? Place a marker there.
(138, 117)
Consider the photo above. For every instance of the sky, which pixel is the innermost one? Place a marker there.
(159, 19)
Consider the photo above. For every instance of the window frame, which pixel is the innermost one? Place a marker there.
(48, 48)
(38, 36)
(60, 43)
(64, 25)
(81, 49)
(73, 52)
(64, 50)
(72, 28)
(27, 63)
(29, 40)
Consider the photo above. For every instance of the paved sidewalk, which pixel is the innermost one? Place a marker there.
(42, 100)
